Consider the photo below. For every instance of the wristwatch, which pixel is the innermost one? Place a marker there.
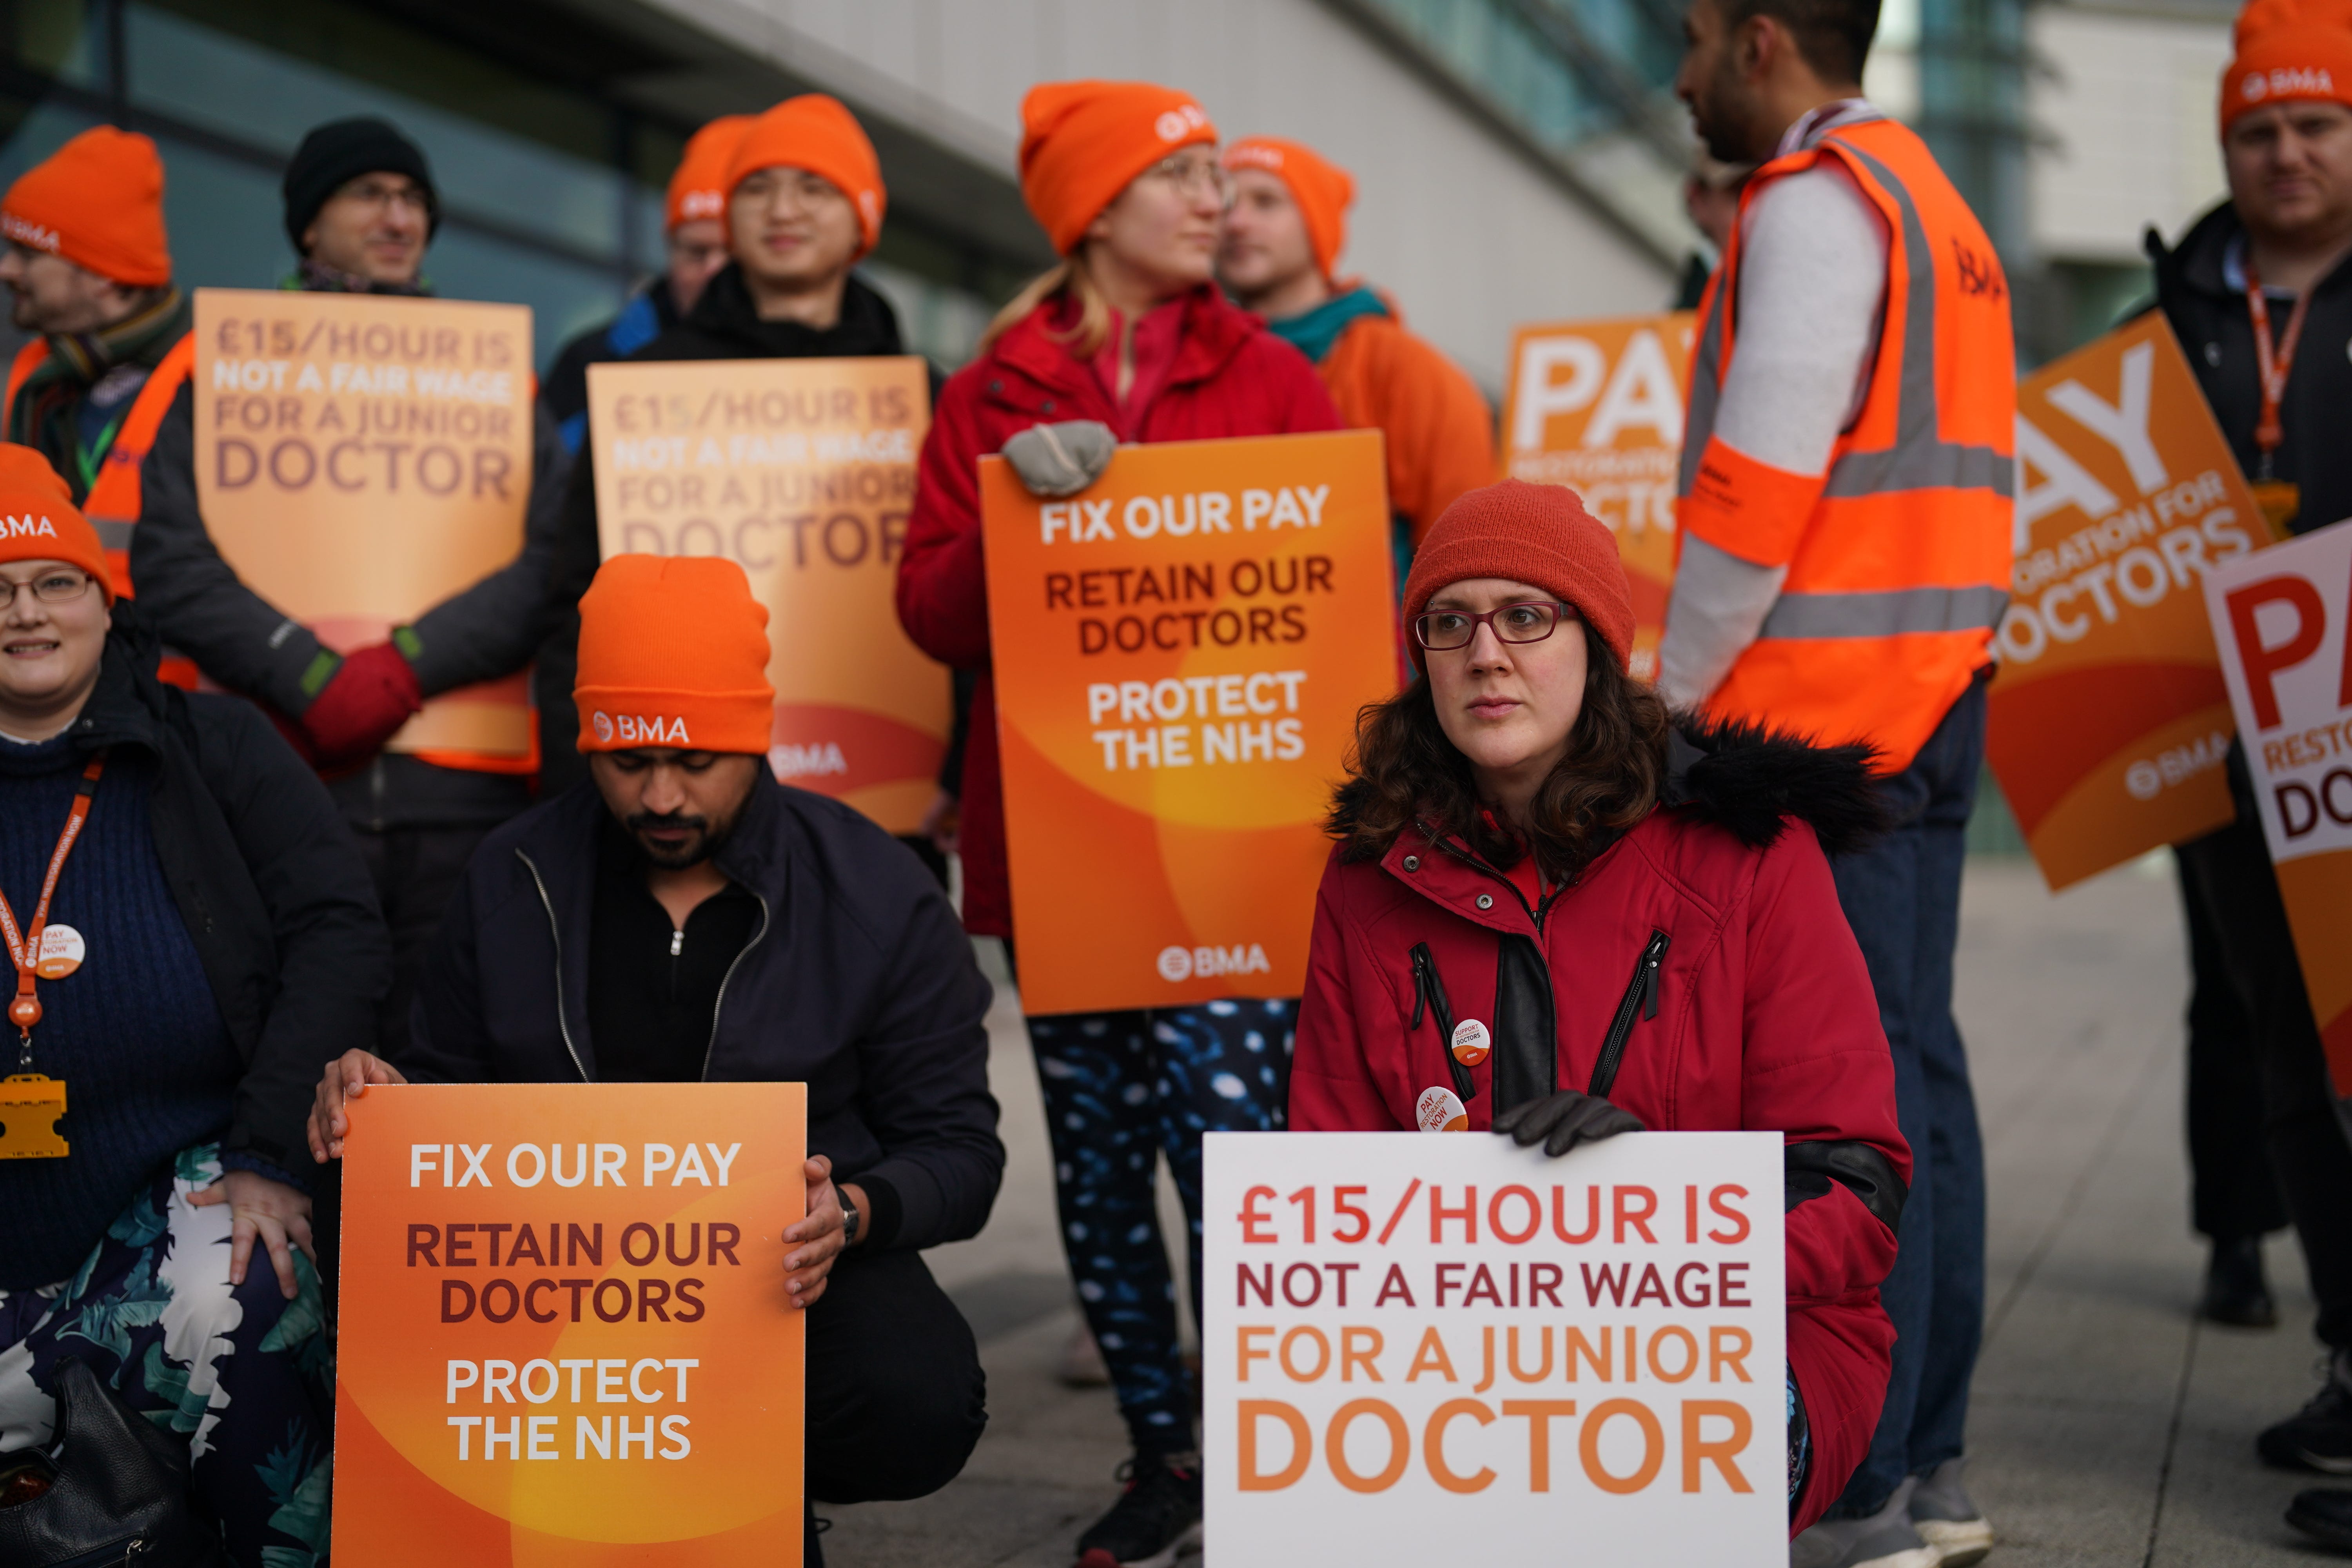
(850, 1218)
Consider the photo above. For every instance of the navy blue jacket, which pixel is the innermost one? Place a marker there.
(858, 981)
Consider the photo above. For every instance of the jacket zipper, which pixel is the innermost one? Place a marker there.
(112, 1552)
(1429, 994)
(1640, 996)
(555, 929)
(721, 1000)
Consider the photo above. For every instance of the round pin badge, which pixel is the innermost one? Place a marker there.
(1472, 1043)
(1439, 1110)
(62, 950)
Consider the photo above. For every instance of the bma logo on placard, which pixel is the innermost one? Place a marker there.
(1180, 964)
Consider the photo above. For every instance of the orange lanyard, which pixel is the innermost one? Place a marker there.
(2274, 365)
(24, 946)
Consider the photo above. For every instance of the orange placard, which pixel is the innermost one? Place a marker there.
(1180, 654)
(2284, 622)
(1598, 406)
(565, 1336)
(360, 459)
(2108, 718)
(803, 472)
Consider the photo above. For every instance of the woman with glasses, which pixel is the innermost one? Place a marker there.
(191, 939)
(1125, 340)
(1555, 913)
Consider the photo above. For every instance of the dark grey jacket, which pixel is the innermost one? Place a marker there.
(858, 981)
(248, 645)
(266, 877)
(2217, 333)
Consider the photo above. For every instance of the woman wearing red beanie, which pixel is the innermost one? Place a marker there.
(1659, 893)
(1126, 340)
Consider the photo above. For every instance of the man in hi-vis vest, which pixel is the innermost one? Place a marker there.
(90, 271)
(1846, 516)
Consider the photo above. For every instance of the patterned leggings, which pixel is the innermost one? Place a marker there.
(1121, 1088)
(244, 1374)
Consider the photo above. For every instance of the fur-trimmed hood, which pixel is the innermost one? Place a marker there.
(1749, 779)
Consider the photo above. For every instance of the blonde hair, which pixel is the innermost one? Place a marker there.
(1067, 279)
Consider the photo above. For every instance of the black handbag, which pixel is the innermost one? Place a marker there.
(119, 1492)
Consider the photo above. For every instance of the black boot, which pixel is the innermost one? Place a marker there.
(2235, 1290)
(2325, 1515)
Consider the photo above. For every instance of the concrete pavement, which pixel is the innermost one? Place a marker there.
(2109, 1427)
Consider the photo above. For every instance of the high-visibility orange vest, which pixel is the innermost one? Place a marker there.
(1898, 555)
(113, 504)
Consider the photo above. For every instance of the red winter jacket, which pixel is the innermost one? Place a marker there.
(1231, 377)
(1764, 1019)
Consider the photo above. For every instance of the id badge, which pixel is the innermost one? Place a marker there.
(2281, 502)
(30, 1104)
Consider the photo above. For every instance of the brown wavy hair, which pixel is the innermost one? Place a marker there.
(1404, 772)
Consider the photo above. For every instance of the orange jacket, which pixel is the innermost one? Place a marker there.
(1440, 432)
(113, 504)
(1898, 555)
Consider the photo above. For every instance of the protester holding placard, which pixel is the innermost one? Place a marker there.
(360, 209)
(1846, 521)
(1554, 912)
(192, 938)
(1279, 255)
(695, 227)
(90, 271)
(803, 204)
(1127, 339)
(2265, 272)
(696, 921)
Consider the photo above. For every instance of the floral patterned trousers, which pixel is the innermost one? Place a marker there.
(245, 1375)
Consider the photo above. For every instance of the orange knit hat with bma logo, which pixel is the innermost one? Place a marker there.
(97, 200)
(1536, 534)
(818, 134)
(1083, 142)
(698, 189)
(673, 656)
(2289, 50)
(1322, 189)
(38, 520)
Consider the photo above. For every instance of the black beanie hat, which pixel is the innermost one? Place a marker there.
(342, 151)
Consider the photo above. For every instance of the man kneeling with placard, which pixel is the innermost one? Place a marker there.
(692, 919)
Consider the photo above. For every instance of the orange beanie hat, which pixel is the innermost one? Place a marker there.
(700, 187)
(818, 134)
(673, 654)
(38, 520)
(2289, 49)
(1082, 143)
(97, 200)
(1321, 188)
(1536, 534)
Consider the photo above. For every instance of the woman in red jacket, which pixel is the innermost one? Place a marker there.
(1641, 914)
(1126, 340)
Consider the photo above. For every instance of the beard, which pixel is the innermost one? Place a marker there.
(703, 839)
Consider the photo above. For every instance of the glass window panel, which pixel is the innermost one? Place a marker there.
(223, 83)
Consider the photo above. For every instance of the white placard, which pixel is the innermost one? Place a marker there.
(1421, 1347)
(2281, 618)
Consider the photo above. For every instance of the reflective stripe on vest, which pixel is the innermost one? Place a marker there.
(113, 503)
(1899, 500)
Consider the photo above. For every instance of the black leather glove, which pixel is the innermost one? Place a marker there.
(1565, 1119)
(1056, 460)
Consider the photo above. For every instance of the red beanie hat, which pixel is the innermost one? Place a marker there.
(818, 134)
(673, 654)
(38, 520)
(1536, 534)
(1082, 143)
(700, 187)
(97, 200)
(1321, 188)
(2289, 49)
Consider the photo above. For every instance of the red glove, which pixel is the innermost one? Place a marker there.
(371, 696)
